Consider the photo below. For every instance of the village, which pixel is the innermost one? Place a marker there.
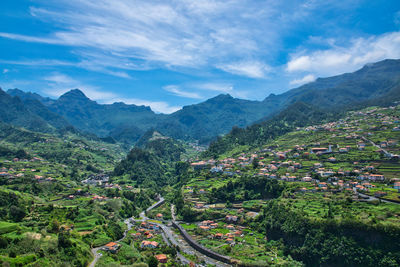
(354, 158)
(346, 161)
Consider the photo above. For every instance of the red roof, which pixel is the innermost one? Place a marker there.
(111, 244)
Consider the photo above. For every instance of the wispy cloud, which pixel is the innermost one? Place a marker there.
(167, 34)
(306, 79)
(252, 69)
(340, 59)
(220, 87)
(99, 65)
(216, 87)
(179, 92)
(5, 71)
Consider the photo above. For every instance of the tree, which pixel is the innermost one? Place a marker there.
(63, 240)
(54, 226)
(255, 163)
(17, 213)
(152, 262)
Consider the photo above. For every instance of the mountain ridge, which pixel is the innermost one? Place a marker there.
(216, 116)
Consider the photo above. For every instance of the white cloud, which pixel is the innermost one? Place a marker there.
(98, 65)
(252, 69)
(59, 84)
(217, 87)
(177, 91)
(166, 34)
(5, 71)
(157, 106)
(306, 79)
(41, 62)
(340, 59)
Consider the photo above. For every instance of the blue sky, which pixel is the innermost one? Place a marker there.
(167, 54)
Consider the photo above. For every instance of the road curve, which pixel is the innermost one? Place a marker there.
(97, 255)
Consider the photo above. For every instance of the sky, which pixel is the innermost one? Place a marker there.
(168, 54)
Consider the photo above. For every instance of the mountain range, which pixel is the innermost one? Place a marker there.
(377, 82)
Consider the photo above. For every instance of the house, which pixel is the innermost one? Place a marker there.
(322, 184)
(111, 247)
(397, 185)
(319, 150)
(230, 240)
(137, 235)
(376, 177)
(370, 168)
(162, 258)
(205, 228)
(230, 227)
(159, 216)
(326, 173)
(231, 218)
(153, 226)
(317, 165)
(218, 236)
(216, 169)
(380, 194)
(297, 165)
(306, 179)
(149, 244)
(199, 165)
(199, 205)
(238, 233)
(332, 159)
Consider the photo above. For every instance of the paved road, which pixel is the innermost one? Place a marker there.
(129, 225)
(169, 236)
(371, 198)
(185, 247)
(96, 255)
(387, 154)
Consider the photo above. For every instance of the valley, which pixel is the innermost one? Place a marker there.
(298, 185)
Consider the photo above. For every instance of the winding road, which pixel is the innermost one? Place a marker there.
(169, 236)
(371, 198)
(95, 251)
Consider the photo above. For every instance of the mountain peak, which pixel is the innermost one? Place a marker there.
(74, 93)
(221, 97)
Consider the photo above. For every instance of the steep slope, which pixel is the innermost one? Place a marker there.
(217, 116)
(30, 96)
(90, 116)
(162, 146)
(36, 104)
(213, 117)
(372, 81)
(13, 111)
